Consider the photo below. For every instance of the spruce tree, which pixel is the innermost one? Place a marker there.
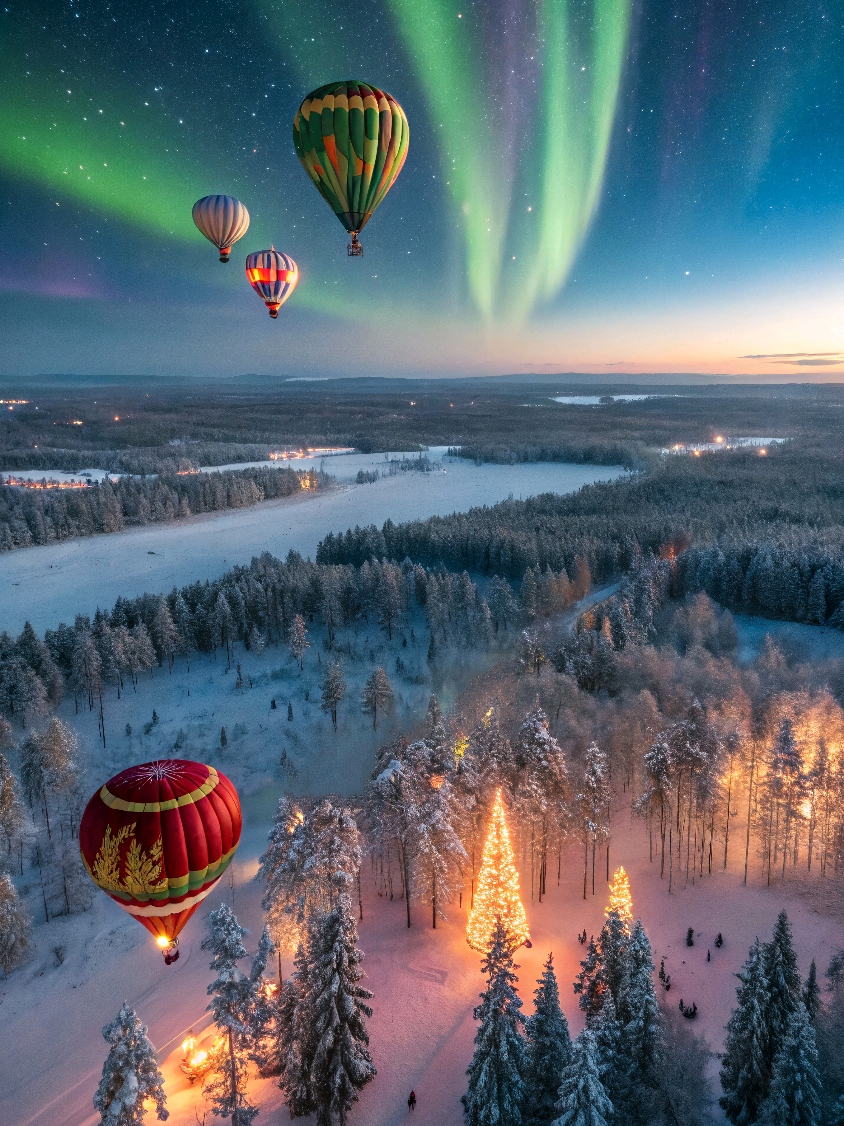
(782, 987)
(745, 1077)
(583, 1099)
(607, 1028)
(296, 1041)
(795, 1096)
(590, 984)
(333, 691)
(614, 953)
(548, 1049)
(812, 993)
(15, 925)
(233, 995)
(130, 1073)
(496, 1083)
(642, 1037)
(336, 1001)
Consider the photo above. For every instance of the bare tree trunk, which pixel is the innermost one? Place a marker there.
(749, 806)
(434, 900)
(727, 823)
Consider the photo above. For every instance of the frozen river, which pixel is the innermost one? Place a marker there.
(49, 584)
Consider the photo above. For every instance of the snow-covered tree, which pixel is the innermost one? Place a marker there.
(593, 807)
(15, 925)
(657, 797)
(548, 1050)
(164, 634)
(333, 691)
(745, 1076)
(262, 1015)
(12, 814)
(430, 816)
(336, 1002)
(642, 1037)
(496, 1073)
(296, 1039)
(535, 773)
(130, 1074)
(583, 1100)
(811, 994)
(782, 987)
(377, 695)
(308, 847)
(232, 995)
(502, 604)
(607, 1028)
(795, 1095)
(590, 984)
(297, 640)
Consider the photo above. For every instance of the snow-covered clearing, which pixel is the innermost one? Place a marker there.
(800, 642)
(53, 583)
(425, 982)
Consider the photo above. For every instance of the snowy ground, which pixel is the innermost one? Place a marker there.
(53, 583)
(800, 642)
(425, 982)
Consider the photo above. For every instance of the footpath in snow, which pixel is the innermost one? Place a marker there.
(53, 583)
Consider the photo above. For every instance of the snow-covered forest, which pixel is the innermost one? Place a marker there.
(534, 829)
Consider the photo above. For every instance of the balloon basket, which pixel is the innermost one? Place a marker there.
(354, 249)
(274, 314)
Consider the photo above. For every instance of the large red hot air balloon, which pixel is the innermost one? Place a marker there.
(157, 837)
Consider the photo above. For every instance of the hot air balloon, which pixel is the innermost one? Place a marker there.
(352, 141)
(157, 837)
(223, 220)
(273, 276)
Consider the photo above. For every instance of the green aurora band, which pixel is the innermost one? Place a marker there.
(583, 52)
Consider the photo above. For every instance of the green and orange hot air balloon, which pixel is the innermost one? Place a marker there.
(352, 140)
(157, 838)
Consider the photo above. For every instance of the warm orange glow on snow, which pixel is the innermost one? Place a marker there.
(497, 897)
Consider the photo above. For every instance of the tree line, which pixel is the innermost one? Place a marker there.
(761, 534)
(35, 516)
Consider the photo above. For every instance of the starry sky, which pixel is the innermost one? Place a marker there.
(601, 186)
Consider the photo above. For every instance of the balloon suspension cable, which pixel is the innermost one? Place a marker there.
(167, 946)
(354, 249)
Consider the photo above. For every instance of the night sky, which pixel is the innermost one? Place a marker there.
(605, 186)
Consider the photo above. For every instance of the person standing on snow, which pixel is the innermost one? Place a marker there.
(411, 1101)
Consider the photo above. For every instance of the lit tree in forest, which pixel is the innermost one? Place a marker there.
(497, 897)
(621, 901)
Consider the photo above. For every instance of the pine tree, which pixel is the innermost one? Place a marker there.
(13, 818)
(262, 1015)
(15, 925)
(614, 944)
(590, 984)
(298, 640)
(795, 1096)
(607, 1029)
(496, 1083)
(838, 1110)
(642, 1038)
(333, 691)
(130, 1074)
(307, 849)
(548, 1050)
(583, 1099)
(297, 1038)
(782, 987)
(342, 1065)
(745, 1076)
(377, 695)
(233, 997)
(812, 993)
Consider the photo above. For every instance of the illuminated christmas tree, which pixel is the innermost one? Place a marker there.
(497, 895)
(621, 901)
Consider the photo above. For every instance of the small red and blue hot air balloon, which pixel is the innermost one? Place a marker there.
(273, 276)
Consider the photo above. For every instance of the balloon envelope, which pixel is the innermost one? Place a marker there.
(273, 276)
(352, 140)
(222, 219)
(157, 838)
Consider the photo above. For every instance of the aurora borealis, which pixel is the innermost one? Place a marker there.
(593, 185)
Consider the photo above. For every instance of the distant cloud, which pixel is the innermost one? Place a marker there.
(808, 358)
(810, 363)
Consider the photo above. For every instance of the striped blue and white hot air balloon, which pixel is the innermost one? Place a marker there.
(222, 219)
(273, 276)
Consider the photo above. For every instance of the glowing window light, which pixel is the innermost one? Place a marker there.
(497, 896)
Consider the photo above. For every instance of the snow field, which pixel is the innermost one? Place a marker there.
(54, 582)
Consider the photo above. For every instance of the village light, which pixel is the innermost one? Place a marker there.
(497, 896)
(621, 901)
